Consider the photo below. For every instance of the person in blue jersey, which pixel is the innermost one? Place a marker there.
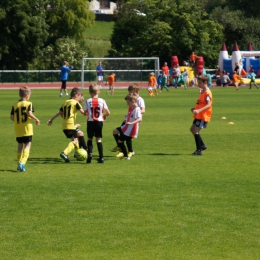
(100, 75)
(64, 71)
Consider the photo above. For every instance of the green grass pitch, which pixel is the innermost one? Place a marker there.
(163, 204)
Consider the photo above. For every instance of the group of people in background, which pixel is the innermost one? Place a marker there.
(224, 79)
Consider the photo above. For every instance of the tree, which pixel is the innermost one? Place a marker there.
(68, 18)
(169, 28)
(23, 32)
(237, 27)
(53, 56)
(29, 26)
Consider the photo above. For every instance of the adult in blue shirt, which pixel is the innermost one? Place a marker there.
(64, 71)
(99, 71)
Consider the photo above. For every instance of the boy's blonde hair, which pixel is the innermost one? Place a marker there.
(24, 91)
(134, 88)
(74, 92)
(151, 74)
(93, 89)
(203, 78)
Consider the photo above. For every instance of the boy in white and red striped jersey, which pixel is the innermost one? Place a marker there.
(135, 89)
(97, 111)
(130, 129)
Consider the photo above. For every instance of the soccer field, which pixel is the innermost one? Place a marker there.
(163, 204)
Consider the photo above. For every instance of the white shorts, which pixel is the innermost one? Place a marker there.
(150, 88)
(100, 78)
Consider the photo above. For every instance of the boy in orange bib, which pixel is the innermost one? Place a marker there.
(201, 113)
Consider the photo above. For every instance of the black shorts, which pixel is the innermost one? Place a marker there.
(70, 133)
(122, 136)
(63, 84)
(94, 128)
(24, 139)
(200, 123)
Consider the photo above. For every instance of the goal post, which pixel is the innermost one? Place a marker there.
(134, 69)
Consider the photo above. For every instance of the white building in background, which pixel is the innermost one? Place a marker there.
(103, 6)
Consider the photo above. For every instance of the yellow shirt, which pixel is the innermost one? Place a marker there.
(22, 122)
(70, 109)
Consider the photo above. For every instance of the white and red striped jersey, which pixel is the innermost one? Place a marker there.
(132, 130)
(95, 108)
(140, 103)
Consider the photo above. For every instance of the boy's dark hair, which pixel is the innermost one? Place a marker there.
(74, 92)
(24, 91)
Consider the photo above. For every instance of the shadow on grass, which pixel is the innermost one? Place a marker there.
(45, 160)
(60, 161)
(9, 171)
(163, 154)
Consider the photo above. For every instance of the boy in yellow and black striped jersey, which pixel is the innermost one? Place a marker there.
(68, 112)
(22, 115)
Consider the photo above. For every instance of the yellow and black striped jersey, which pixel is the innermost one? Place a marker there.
(22, 122)
(70, 109)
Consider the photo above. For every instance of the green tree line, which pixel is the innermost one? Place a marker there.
(40, 34)
(178, 27)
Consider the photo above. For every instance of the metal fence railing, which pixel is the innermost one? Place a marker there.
(51, 76)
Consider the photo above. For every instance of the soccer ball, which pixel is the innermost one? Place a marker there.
(81, 154)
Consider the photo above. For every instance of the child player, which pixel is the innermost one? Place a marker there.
(253, 75)
(95, 107)
(68, 111)
(201, 113)
(130, 129)
(80, 134)
(135, 89)
(152, 85)
(111, 81)
(236, 79)
(22, 115)
(159, 81)
(164, 81)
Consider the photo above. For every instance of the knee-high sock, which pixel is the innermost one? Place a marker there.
(116, 138)
(123, 149)
(82, 143)
(25, 156)
(201, 141)
(19, 156)
(69, 148)
(100, 149)
(129, 145)
(90, 148)
(198, 141)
